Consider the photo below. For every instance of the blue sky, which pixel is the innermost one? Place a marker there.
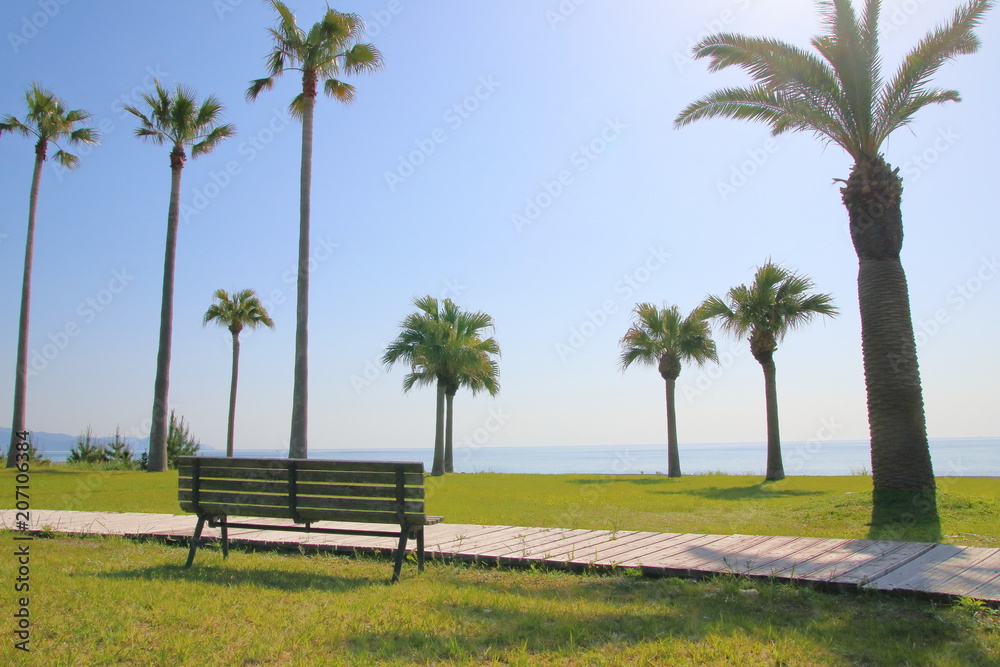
(518, 157)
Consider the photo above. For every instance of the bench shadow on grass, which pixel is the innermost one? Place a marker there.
(217, 572)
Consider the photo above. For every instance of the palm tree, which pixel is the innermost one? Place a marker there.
(444, 346)
(776, 302)
(661, 337)
(49, 122)
(178, 120)
(241, 310)
(329, 48)
(841, 97)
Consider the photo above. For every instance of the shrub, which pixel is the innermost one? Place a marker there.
(180, 442)
(87, 450)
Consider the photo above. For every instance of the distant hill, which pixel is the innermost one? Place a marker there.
(57, 446)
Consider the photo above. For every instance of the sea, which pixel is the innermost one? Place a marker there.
(951, 457)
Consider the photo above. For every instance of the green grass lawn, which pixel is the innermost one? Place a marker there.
(111, 601)
(800, 506)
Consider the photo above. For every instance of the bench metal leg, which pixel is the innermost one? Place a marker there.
(195, 540)
(400, 554)
(225, 538)
(420, 549)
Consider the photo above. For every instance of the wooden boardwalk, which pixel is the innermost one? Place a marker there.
(913, 567)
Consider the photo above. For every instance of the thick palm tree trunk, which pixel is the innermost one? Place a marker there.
(438, 467)
(158, 430)
(902, 474)
(297, 442)
(231, 432)
(19, 421)
(775, 468)
(673, 453)
(449, 430)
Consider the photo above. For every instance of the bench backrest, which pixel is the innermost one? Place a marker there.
(303, 490)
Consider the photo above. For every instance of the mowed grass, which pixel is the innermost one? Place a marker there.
(111, 601)
(721, 504)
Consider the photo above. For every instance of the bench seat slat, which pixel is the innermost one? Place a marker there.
(281, 475)
(306, 514)
(303, 488)
(301, 502)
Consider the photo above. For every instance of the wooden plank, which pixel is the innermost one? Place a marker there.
(790, 567)
(306, 514)
(722, 555)
(944, 569)
(325, 465)
(252, 500)
(671, 544)
(304, 488)
(608, 554)
(472, 544)
(574, 544)
(838, 562)
(521, 545)
(782, 556)
(885, 564)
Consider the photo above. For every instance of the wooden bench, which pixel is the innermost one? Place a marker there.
(306, 491)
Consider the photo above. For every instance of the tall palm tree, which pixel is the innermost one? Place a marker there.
(776, 302)
(178, 120)
(49, 122)
(241, 310)
(840, 96)
(444, 346)
(661, 337)
(329, 48)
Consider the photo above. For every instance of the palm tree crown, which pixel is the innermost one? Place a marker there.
(240, 310)
(177, 119)
(49, 122)
(663, 338)
(777, 302)
(839, 94)
(328, 49)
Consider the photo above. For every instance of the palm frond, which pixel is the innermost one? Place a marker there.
(257, 86)
(343, 92)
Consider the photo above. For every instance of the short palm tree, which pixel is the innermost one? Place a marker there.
(49, 122)
(840, 96)
(177, 119)
(330, 47)
(242, 310)
(662, 337)
(444, 346)
(776, 302)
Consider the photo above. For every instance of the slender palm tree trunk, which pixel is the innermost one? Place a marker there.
(438, 467)
(231, 432)
(297, 442)
(158, 431)
(775, 468)
(449, 429)
(902, 474)
(673, 453)
(19, 422)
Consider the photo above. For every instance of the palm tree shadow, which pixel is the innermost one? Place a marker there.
(753, 492)
(905, 516)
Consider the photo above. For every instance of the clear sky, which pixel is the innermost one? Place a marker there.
(518, 157)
